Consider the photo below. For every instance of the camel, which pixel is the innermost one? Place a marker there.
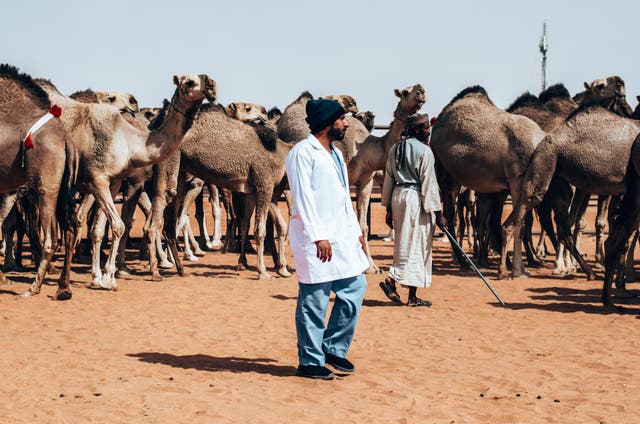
(124, 102)
(109, 146)
(367, 118)
(230, 154)
(372, 156)
(47, 169)
(363, 152)
(548, 115)
(590, 150)
(482, 148)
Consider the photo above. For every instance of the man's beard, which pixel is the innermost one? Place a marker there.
(336, 134)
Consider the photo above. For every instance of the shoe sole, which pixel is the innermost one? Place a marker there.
(316, 377)
(339, 368)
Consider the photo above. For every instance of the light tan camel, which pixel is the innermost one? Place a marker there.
(482, 147)
(232, 155)
(49, 167)
(109, 147)
(124, 102)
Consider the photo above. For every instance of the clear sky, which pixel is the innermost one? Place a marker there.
(269, 52)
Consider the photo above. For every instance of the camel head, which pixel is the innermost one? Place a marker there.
(367, 118)
(411, 99)
(274, 114)
(348, 103)
(124, 102)
(196, 87)
(246, 112)
(609, 93)
(150, 112)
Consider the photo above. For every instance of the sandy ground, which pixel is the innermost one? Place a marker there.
(220, 346)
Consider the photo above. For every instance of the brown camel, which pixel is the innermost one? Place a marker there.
(590, 150)
(230, 154)
(47, 169)
(483, 148)
(608, 92)
(109, 147)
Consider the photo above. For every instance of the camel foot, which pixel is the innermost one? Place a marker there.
(12, 266)
(125, 271)
(165, 264)
(284, 272)
(373, 270)
(155, 276)
(503, 275)
(191, 258)
(558, 271)
(63, 294)
(199, 252)
(624, 294)
(214, 245)
(241, 266)
(521, 274)
(27, 294)
(265, 276)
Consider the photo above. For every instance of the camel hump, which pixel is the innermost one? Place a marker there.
(24, 80)
(267, 134)
(556, 91)
(85, 96)
(526, 99)
(304, 96)
(474, 89)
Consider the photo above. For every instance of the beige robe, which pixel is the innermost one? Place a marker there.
(412, 193)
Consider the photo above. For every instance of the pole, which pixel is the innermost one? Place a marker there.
(461, 250)
(544, 47)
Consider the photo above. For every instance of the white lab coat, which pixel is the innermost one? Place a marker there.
(322, 210)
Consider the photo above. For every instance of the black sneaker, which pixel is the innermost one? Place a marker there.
(314, 371)
(341, 364)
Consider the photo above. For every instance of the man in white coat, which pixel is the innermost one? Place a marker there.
(327, 244)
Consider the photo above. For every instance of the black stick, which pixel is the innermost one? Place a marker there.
(461, 251)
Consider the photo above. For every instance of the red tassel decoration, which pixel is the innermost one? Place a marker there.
(55, 110)
(28, 142)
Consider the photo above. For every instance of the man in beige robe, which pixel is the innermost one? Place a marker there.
(410, 194)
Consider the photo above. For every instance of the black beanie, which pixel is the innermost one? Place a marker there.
(322, 113)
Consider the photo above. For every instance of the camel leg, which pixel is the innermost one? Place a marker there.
(104, 198)
(629, 270)
(363, 198)
(216, 212)
(128, 210)
(532, 260)
(203, 237)
(247, 210)
(281, 229)
(601, 224)
(616, 244)
(262, 205)
(576, 217)
(483, 210)
(564, 230)
(47, 199)
(144, 203)
(154, 225)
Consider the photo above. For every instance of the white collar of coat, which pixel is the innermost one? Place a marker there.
(315, 142)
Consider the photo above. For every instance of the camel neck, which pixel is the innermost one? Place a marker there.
(398, 126)
(168, 135)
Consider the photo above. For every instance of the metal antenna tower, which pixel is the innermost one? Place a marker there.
(544, 47)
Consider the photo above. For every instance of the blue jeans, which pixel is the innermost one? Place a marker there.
(311, 310)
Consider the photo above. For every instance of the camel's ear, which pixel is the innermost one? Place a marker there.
(638, 98)
(397, 93)
(232, 107)
(111, 99)
(175, 80)
(586, 85)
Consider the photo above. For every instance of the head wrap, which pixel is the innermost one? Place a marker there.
(322, 113)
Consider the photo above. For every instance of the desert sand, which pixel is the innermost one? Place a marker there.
(220, 346)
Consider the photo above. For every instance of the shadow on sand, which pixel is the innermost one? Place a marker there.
(209, 363)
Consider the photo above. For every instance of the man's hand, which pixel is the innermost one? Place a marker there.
(441, 221)
(363, 246)
(388, 219)
(323, 252)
